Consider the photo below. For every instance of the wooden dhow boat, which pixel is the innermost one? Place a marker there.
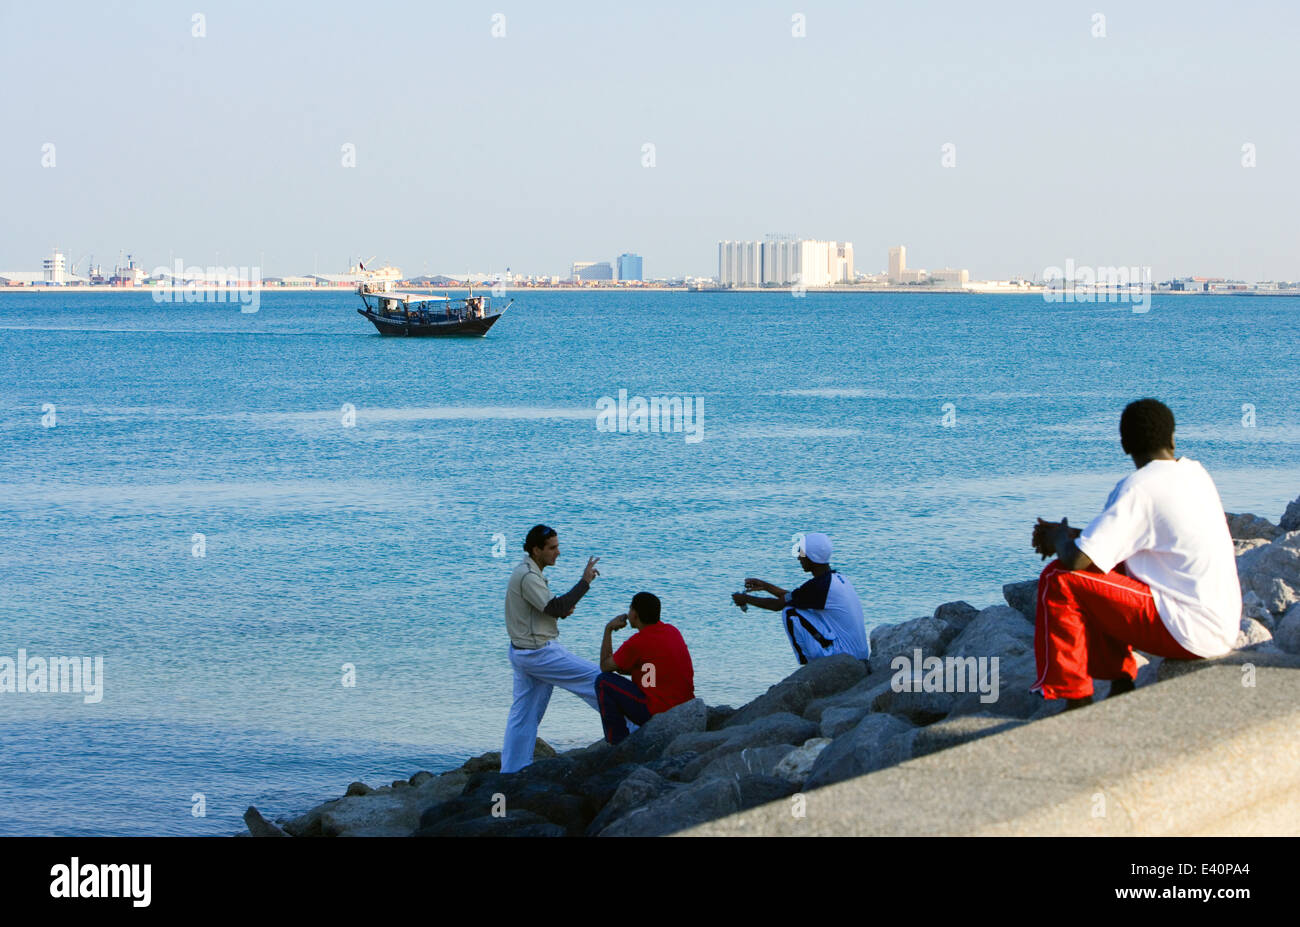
(420, 315)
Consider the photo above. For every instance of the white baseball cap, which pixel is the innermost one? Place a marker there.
(816, 547)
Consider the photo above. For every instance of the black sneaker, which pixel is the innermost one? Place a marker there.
(1121, 685)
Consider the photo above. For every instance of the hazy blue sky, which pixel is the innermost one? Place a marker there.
(475, 152)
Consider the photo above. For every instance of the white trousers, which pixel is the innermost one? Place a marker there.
(537, 672)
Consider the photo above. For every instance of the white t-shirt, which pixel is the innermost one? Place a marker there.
(1165, 522)
(828, 618)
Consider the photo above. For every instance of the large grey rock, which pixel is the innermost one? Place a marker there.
(1248, 553)
(1291, 518)
(562, 771)
(1013, 699)
(958, 614)
(1252, 607)
(786, 697)
(1272, 572)
(378, 814)
(930, 635)
(798, 763)
(1023, 597)
(678, 809)
(599, 788)
(820, 678)
(496, 797)
(649, 741)
(440, 788)
(718, 716)
(916, 706)
(696, 742)
(306, 825)
(759, 790)
(752, 761)
(1273, 592)
(259, 826)
(550, 800)
(491, 762)
(1252, 634)
(830, 675)
(671, 767)
(838, 719)
(637, 789)
(861, 750)
(1287, 633)
(778, 729)
(703, 801)
(998, 630)
(863, 694)
(1247, 527)
(1244, 546)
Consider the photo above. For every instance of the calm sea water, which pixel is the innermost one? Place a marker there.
(376, 545)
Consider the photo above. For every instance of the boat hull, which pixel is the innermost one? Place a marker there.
(456, 328)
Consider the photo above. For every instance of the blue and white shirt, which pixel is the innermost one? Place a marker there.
(824, 617)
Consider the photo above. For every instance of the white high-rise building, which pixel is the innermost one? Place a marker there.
(55, 269)
(779, 261)
(897, 263)
(842, 264)
(740, 263)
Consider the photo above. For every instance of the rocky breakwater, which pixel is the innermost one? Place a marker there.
(830, 720)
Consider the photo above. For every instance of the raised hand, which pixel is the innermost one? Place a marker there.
(1042, 538)
(617, 623)
(752, 585)
(591, 572)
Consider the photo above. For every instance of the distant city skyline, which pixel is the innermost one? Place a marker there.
(777, 260)
(1004, 138)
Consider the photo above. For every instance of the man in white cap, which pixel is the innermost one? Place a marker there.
(823, 616)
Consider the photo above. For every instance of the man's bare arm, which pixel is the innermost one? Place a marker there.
(772, 605)
(607, 664)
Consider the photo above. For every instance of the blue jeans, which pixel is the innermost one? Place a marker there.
(621, 700)
(537, 673)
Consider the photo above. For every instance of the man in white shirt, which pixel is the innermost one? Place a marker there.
(821, 617)
(539, 662)
(1154, 571)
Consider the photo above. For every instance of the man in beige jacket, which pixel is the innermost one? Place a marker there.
(539, 662)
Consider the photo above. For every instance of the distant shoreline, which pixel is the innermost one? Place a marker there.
(898, 290)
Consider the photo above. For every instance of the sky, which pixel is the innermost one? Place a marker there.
(504, 135)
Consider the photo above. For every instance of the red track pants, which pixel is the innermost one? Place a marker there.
(1087, 626)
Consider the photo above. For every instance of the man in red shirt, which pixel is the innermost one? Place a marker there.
(657, 660)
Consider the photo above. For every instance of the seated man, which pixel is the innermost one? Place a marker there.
(1155, 570)
(823, 616)
(657, 660)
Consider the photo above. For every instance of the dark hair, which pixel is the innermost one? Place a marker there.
(1145, 427)
(537, 536)
(647, 607)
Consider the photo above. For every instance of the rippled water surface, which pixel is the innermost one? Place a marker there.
(372, 544)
